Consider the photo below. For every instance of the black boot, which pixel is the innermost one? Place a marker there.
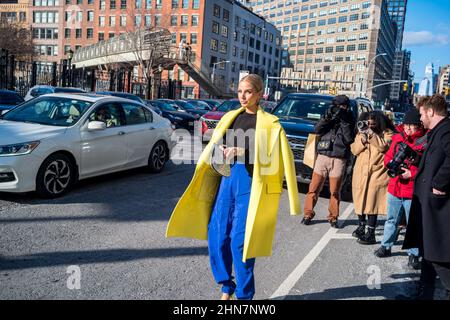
(382, 252)
(359, 232)
(368, 237)
(414, 262)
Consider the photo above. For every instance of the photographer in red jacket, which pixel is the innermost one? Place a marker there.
(402, 161)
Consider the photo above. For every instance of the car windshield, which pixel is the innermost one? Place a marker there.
(228, 105)
(199, 105)
(165, 106)
(10, 98)
(303, 107)
(181, 104)
(69, 90)
(53, 111)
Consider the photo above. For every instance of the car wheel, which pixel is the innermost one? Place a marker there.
(158, 157)
(55, 176)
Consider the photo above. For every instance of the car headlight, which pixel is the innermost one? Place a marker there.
(18, 149)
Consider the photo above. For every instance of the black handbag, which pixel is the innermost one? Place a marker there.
(326, 145)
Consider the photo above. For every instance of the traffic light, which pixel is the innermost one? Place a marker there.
(405, 87)
(332, 90)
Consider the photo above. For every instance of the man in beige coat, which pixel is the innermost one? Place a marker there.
(370, 179)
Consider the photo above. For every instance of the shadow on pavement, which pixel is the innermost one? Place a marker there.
(50, 259)
(387, 290)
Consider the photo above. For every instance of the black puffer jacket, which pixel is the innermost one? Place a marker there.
(340, 130)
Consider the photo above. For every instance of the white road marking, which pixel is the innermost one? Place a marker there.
(343, 236)
(298, 272)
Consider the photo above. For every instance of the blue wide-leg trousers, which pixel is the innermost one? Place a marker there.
(226, 233)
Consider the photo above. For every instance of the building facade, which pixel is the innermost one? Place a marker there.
(400, 72)
(14, 11)
(397, 12)
(216, 30)
(347, 45)
(444, 80)
(427, 85)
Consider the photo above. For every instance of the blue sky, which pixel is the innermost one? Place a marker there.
(427, 34)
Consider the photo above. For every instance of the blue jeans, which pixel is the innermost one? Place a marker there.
(226, 233)
(396, 208)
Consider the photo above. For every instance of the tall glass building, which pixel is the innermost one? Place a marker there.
(397, 11)
(346, 44)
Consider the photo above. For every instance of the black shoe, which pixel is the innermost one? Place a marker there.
(414, 262)
(359, 232)
(306, 221)
(382, 252)
(334, 224)
(368, 238)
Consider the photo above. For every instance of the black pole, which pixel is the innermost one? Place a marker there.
(54, 66)
(33, 73)
(64, 73)
(12, 67)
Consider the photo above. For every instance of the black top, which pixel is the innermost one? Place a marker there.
(242, 135)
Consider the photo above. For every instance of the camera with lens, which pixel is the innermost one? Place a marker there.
(363, 125)
(396, 165)
(333, 113)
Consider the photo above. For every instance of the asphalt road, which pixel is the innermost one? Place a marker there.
(112, 230)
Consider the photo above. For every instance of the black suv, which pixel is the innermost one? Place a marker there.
(299, 113)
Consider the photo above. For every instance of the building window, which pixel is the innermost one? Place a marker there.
(214, 45)
(215, 27)
(193, 38)
(90, 33)
(184, 20)
(194, 20)
(223, 47)
(226, 15)
(78, 33)
(225, 31)
(173, 21)
(216, 11)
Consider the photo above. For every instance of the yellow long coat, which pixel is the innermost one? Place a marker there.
(370, 179)
(273, 159)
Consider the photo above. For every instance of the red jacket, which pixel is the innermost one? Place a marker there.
(399, 187)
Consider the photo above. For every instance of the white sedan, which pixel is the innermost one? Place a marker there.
(50, 142)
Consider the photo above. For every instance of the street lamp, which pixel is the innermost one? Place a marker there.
(214, 68)
(368, 71)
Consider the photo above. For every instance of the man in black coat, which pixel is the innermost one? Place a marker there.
(337, 132)
(429, 225)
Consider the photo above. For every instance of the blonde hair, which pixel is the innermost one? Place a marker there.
(255, 80)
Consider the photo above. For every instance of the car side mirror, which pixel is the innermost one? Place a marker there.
(96, 126)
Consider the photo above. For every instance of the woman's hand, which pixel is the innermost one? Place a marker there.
(233, 152)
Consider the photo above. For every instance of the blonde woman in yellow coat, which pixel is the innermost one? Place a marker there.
(370, 179)
(237, 214)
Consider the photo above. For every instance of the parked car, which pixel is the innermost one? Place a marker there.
(180, 119)
(50, 142)
(9, 99)
(213, 103)
(210, 119)
(124, 95)
(298, 114)
(39, 90)
(194, 107)
(268, 106)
